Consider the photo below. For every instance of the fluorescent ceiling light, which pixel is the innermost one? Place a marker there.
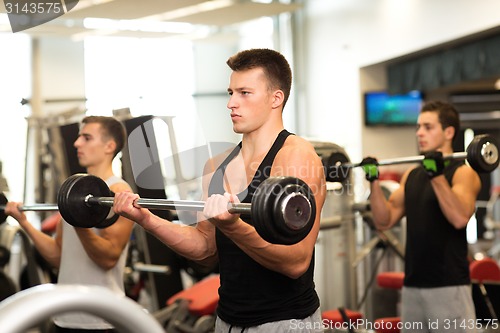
(191, 10)
(138, 25)
(160, 22)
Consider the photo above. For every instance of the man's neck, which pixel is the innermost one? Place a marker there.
(260, 141)
(447, 150)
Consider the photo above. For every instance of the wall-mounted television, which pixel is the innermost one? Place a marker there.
(384, 109)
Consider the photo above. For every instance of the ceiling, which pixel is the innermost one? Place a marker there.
(156, 18)
(165, 18)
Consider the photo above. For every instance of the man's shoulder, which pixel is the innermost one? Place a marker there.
(465, 172)
(116, 183)
(298, 150)
(114, 180)
(297, 143)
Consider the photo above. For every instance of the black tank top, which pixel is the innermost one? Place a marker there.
(436, 252)
(250, 294)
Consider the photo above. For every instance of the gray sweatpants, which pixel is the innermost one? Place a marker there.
(447, 309)
(311, 324)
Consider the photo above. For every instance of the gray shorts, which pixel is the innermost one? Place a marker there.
(446, 309)
(311, 324)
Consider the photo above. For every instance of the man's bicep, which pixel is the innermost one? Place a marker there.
(466, 186)
(119, 233)
(397, 205)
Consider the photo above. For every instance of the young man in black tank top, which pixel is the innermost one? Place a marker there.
(264, 287)
(438, 200)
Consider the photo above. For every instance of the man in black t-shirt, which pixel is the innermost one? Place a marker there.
(438, 199)
(265, 287)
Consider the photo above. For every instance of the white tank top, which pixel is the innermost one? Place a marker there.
(77, 268)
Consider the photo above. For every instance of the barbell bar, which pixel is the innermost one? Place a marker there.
(163, 204)
(24, 208)
(481, 154)
(34, 207)
(283, 209)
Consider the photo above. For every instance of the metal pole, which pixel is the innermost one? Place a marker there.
(35, 207)
(409, 159)
(39, 207)
(163, 204)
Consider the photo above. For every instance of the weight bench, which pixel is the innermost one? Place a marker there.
(192, 310)
(390, 280)
(485, 278)
(493, 290)
(338, 316)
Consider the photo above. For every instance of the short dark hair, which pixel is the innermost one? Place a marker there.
(447, 114)
(274, 64)
(111, 129)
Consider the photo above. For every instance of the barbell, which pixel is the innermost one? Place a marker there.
(283, 209)
(42, 207)
(481, 154)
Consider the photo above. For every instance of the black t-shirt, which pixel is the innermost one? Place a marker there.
(436, 252)
(251, 294)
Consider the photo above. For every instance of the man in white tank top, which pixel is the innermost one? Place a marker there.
(82, 255)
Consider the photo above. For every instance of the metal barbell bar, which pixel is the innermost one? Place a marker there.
(155, 204)
(481, 154)
(283, 209)
(164, 204)
(35, 207)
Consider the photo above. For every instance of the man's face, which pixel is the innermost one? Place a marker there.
(92, 148)
(250, 99)
(430, 133)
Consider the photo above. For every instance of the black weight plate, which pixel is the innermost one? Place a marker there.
(282, 217)
(473, 156)
(261, 211)
(482, 153)
(3, 202)
(295, 209)
(111, 218)
(108, 221)
(61, 205)
(275, 212)
(334, 171)
(72, 204)
(62, 196)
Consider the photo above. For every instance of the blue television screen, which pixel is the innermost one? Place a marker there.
(382, 108)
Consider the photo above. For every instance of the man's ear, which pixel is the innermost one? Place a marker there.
(278, 98)
(449, 132)
(110, 146)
